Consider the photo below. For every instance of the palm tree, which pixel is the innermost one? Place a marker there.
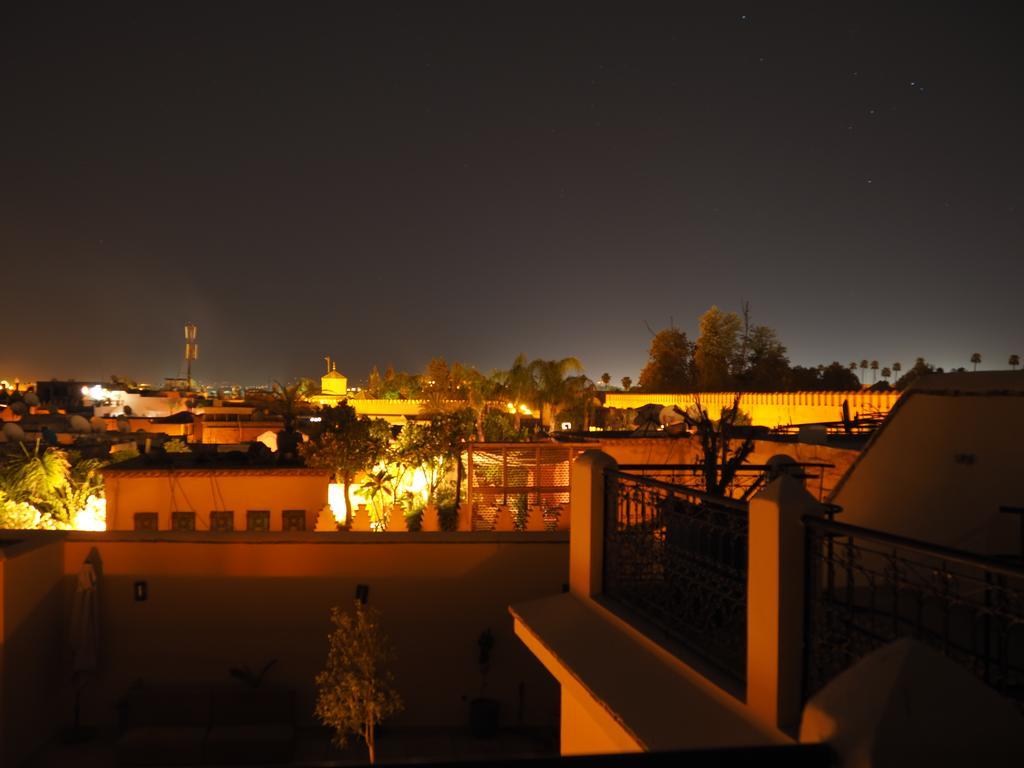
(975, 359)
(606, 379)
(627, 382)
(863, 370)
(519, 386)
(896, 368)
(1014, 361)
(853, 367)
(874, 371)
(554, 391)
(886, 373)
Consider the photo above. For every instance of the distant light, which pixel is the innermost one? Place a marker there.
(566, 426)
(316, 419)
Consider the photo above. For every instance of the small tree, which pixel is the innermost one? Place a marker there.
(356, 689)
(1014, 361)
(627, 382)
(975, 359)
(347, 445)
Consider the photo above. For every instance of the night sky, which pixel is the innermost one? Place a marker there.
(385, 182)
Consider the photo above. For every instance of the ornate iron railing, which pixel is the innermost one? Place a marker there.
(866, 588)
(747, 481)
(678, 559)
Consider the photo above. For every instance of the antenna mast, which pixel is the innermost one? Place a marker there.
(191, 349)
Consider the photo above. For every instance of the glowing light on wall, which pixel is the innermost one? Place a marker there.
(336, 501)
(91, 517)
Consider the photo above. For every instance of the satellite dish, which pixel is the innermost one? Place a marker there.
(13, 432)
(79, 424)
(98, 424)
(32, 400)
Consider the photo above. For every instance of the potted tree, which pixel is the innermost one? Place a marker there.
(484, 711)
(356, 689)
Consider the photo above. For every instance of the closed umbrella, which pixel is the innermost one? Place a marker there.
(85, 626)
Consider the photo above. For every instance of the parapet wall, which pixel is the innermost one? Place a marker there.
(216, 601)
(769, 409)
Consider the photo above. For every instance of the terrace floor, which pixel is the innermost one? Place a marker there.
(313, 748)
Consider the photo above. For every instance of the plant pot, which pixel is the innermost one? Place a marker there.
(483, 718)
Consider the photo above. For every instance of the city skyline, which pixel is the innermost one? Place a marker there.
(387, 185)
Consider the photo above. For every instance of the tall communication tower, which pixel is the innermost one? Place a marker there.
(191, 348)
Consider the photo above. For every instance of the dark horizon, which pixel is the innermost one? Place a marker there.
(394, 183)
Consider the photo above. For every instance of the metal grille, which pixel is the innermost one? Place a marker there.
(520, 480)
(257, 520)
(183, 521)
(867, 588)
(293, 520)
(748, 480)
(678, 558)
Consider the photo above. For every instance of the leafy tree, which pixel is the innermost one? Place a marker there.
(670, 365)
(801, 379)
(975, 359)
(716, 350)
(346, 445)
(836, 378)
(356, 688)
(766, 366)
(1014, 361)
(920, 368)
(627, 382)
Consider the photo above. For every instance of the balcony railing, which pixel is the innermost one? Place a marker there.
(678, 559)
(866, 588)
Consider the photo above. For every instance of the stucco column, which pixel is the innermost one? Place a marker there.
(775, 601)
(586, 534)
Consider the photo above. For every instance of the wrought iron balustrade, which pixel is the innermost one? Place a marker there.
(678, 559)
(747, 481)
(866, 588)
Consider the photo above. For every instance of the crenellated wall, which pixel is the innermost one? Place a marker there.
(770, 409)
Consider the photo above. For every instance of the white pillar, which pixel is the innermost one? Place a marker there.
(586, 534)
(775, 601)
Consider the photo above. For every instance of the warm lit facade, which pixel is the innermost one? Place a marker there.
(771, 409)
(201, 499)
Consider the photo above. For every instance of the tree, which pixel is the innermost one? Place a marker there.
(1014, 361)
(554, 389)
(765, 367)
(347, 445)
(627, 382)
(720, 459)
(837, 378)
(920, 368)
(606, 379)
(715, 354)
(975, 359)
(863, 370)
(356, 688)
(670, 364)
(886, 373)
(896, 368)
(519, 386)
(874, 371)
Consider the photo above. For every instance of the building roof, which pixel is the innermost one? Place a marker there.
(334, 375)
